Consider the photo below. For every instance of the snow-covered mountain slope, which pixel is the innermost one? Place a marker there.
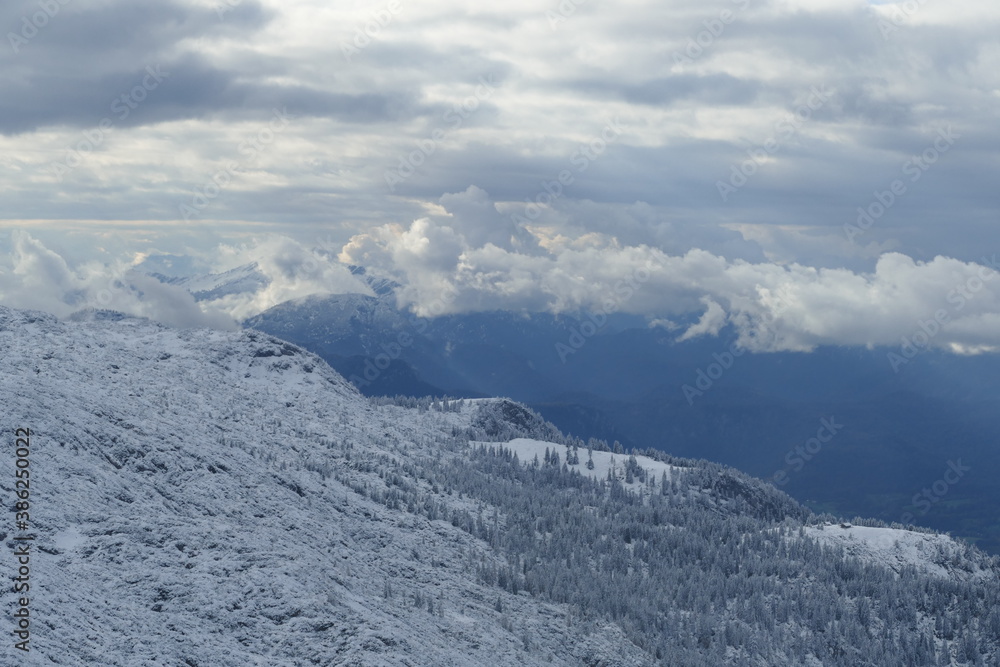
(347, 321)
(892, 548)
(186, 515)
(354, 332)
(225, 498)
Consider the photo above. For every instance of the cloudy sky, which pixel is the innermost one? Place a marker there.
(808, 171)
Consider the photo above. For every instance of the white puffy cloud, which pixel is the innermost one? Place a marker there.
(477, 219)
(944, 302)
(425, 255)
(145, 296)
(292, 270)
(33, 276)
(40, 278)
(948, 302)
(711, 322)
(428, 247)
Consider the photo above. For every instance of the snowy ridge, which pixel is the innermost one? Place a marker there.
(381, 286)
(932, 553)
(337, 317)
(246, 279)
(607, 465)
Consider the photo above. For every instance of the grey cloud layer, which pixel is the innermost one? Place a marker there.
(726, 149)
(91, 54)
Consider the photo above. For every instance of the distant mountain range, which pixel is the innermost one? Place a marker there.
(625, 380)
(240, 280)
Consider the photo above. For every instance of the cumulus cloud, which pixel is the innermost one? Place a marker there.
(291, 270)
(241, 280)
(710, 323)
(477, 219)
(424, 255)
(41, 278)
(944, 302)
(145, 296)
(36, 277)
